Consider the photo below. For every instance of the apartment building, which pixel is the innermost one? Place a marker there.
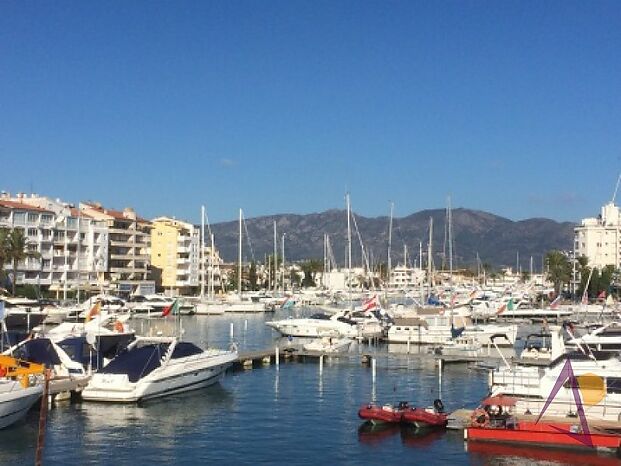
(599, 238)
(129, 240)
(175, 254)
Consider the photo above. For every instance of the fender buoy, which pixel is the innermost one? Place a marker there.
(3, 371)
(479, 418)
(118, 326)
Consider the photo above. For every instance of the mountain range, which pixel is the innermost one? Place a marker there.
(498, 241)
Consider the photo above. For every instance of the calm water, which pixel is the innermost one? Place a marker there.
(292, 415)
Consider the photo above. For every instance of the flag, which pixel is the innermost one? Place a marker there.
(473, 293)
(501, 309)
(602, 295)
(96, 309)
(453, 299)
(371, 303)
(173, 308)
(510, 304)
(585, 298)
(554, 304)
(1, 311)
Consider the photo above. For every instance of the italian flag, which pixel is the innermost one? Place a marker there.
(173, 308)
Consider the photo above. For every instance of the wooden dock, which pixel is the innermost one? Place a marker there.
(268, 356)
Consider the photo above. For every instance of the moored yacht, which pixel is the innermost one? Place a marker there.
(598, 378)
(341, 324)
(153, 367)
(21, 385)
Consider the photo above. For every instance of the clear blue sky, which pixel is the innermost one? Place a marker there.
(283, 106)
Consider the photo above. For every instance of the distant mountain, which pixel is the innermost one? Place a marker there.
(496, 239)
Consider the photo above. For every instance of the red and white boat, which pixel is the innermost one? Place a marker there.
(383, 414)
(494, 422)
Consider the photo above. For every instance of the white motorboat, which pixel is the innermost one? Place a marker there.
(22, 313)
(433, 330)
(598, 383)
(21, 385)
(154, 305)
(467, 347)
(46, 352)
(154, 367)
(321, 325)
(604, 338)
(329, 345)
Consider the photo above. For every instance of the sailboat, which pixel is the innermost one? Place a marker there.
(241, 303)
(207, 304)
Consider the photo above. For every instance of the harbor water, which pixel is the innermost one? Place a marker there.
(297, 414)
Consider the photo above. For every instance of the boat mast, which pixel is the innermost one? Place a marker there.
(239, 273)
(284, 287)
(275, 261)
(429, 254)
(202, 252)
(389, 265)
(450, 240)
(349, 251)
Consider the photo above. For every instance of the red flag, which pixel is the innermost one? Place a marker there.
(501, 309)
(602, 295)
(172, 308)
(93, 311)
(370, 303)
(554, 304)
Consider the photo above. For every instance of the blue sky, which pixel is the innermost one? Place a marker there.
(509, 107)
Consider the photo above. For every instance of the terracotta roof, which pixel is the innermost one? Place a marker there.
(117, 214)
(78, 213)
(21, 205)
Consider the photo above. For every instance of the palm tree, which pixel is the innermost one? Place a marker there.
(4, 237)
(17, 250)
(559, 269)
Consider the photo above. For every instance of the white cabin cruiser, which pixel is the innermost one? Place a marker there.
(320, 325)
(329, 345)
(21, 385)
(153, 367)
(598, 378)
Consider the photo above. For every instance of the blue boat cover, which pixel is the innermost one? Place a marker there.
(39, 350)
(137, 362)
(184, 349)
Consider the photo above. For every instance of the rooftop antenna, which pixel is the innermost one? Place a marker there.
(616, 189)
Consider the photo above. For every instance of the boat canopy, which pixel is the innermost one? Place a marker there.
(137, 362)
(184, 349)
(39, 350)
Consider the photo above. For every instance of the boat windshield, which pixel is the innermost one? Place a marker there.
(137, 362)
(320, 316)
(184, 349)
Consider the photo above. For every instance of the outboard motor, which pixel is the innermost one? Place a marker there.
(438, 405)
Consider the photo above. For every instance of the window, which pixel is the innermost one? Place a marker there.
(19, 218)
(32, 232)
(613, 384)
(32, 217)
(46, 218)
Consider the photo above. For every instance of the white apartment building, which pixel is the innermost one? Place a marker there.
(402, 277)
(72, 247)
(599, 238)
(129, 242)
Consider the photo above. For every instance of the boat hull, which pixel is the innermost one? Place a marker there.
(549, 434)
(422, 418)
(116, 387)
(14, 404)
(380, 414)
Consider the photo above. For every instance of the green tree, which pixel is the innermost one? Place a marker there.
(252, 276)
(4, 248)
(559, 269)
(310, 268)
(17, 250)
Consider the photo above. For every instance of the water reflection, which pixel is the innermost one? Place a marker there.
(373, 434)
(509, 455)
